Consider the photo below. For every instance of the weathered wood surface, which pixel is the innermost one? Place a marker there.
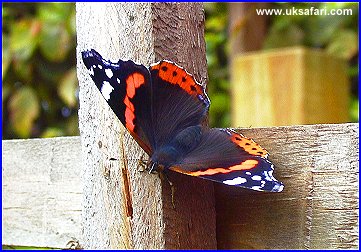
(291, 86)
(318, 209)
(118, 211)
(42, 192)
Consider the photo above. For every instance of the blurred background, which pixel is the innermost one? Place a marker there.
(270, 57)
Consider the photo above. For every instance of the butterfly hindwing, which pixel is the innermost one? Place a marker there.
(230, 158)
(126, 87)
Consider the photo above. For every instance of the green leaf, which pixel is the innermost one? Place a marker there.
(24, 38)
(52, 132)
(72, 126)
(353, 71)
(55, 12)
(23, 70)
(290, 35)
(344, 44)
(68, 87)
(72, 22)
(6, 90)
(55, 42)
(6, 59)
(354, 109)
(220, 102)
(24, 109)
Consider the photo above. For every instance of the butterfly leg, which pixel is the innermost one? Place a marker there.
(142, 164)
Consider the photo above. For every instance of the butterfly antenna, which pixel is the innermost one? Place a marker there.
(152, 167)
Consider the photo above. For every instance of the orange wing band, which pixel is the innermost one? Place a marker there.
(246, 165)
(133, 81)
(178, 76)
(248, 145)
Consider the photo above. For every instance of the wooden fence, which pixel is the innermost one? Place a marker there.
(89, 188)
(43, 196)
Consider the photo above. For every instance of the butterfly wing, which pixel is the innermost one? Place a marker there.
(158, 103)
(178, 101)
(230, 158)
(126, 87)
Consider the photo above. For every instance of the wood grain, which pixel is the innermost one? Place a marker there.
(318, 209)
(291, 86)
(179, 36)
(143, 32)
(42, 192)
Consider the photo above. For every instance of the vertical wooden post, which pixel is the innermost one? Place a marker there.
(123, 208)
(247, 29)
(289, 87)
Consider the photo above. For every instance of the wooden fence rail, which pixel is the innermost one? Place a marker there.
(319, 164)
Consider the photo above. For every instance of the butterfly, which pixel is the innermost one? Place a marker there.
(164, 108)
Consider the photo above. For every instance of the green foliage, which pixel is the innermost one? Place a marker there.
(39, 74)
(337, 34)
(216, 40)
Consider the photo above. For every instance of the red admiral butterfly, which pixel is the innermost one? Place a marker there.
(163, 108)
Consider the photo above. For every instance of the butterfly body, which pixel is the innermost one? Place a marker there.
(164, 109)
(174, 151)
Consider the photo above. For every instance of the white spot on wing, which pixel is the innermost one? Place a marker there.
(278, 188)
(106, 90)
(257, 188)
(118, 80)
(248, 173)
(256, 178)
(109, 72)
(235, 181)
(269, 175)
(100, 66)
(91, 71)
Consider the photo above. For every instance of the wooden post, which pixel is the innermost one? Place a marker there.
(124, 208)
(247, 29)
(289, 87)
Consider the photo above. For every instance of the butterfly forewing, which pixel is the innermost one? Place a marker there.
(126, 87)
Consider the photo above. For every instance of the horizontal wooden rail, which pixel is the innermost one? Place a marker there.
(319, 164)
(42, 191)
